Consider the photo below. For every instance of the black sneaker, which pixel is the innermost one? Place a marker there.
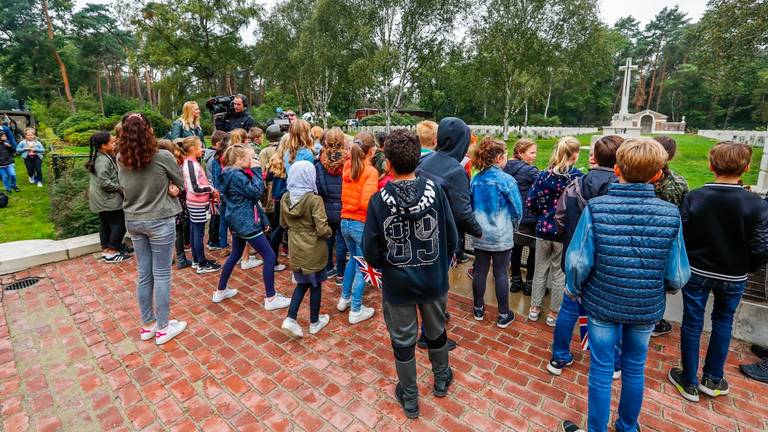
(662, 327)
(339, 280)
(503, 321)
(331, 272)
(569, 426)
(422, 343)
(440, 388)
(208, 267)
(462, 258)
(687, 391)
(516, 284)
(117, 258)
(709, 387)
(527, 288)
(16, 189)
(479, 312)
(126, 249)
(183, 263)
(555, 367)
(760, 351)
(757, 371)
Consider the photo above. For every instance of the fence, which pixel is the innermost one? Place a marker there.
(482, 130)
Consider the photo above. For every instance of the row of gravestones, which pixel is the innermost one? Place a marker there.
(483, 130)
(753, 138)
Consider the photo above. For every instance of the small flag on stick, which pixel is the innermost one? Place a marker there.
(583, 328)
(370, 274)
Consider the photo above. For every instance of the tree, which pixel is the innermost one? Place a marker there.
(54, 49)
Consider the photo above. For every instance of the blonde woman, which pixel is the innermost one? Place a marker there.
(188, 124)
(542, 200)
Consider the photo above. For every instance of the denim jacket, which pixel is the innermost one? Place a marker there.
(498, 209)
(23, 148)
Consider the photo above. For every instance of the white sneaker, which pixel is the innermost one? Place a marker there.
(616, 374)
(148, 333)
(39, 184)
(221, 295)
(293, 278)
(277, 301)
(252, 262)
(322, 321)
(32, 180)
(292, 328)
(174, 328)
(363, 314)
(343, 304)
(279, 267)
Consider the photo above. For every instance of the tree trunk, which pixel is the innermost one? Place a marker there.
(525, 122)
(712, 114)
(662, 79)
(549, 98)
(137, 86)
(62, 66)
(98, 90)
(649, 99)
(729, 111)
(507, 96)
(106, 77)
(148, 81)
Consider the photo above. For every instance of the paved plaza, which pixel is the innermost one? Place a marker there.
(71, 360)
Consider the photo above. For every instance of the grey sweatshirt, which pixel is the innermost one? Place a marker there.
(146, 190)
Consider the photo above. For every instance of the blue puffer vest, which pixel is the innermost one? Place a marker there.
(633, 233)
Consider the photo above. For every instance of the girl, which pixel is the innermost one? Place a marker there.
(498, 210)
(105, 197)
(360, 180)
(32, 152)
(329, 167)
(521, 167)
(188, 125)
(242, 188)
(150, 207)
(299, 145)
(303, 215)
(182, 219)
(199, 194)
(317, 137)
(542, 201)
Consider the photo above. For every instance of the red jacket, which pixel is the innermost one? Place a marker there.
(355, 194)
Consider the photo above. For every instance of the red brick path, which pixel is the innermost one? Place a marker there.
(71, 359)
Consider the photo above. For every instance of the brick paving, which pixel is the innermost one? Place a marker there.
(71, 359)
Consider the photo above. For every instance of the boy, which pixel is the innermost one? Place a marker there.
(410, 235)
(427, 132)
(627, 247)
(672, 187)
(726, 236)
(7, 162)
(569, 209)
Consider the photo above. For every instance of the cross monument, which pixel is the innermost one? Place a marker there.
(627, 68)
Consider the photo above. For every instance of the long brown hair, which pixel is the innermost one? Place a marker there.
(298, 137)
(137, 145)
(362, 144)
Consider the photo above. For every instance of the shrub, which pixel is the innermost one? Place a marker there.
(73, 120)
(80, 139)
(160, 124)
(118, 105)
(397, 120)
(50, 115)
(539, 120)
(69, 204)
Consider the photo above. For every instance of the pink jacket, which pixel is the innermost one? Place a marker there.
(196, 183)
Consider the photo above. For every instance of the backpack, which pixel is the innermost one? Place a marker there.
(3, 200)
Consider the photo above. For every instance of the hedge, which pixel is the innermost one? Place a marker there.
(69, 204)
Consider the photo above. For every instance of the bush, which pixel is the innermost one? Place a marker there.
(80, 139)
(49, 115)
(118, 105)
(397, 120)
(539, 120)
(69, 204)
(73, 120)
(160, 124)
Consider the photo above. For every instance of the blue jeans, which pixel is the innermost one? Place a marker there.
(354, 285)
(8, 176)
(695, 294)
(337, 246)
(223, 227)
(603, 337)
(566, 320)
(196, 240)
(153, 242)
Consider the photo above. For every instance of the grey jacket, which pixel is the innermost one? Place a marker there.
(104, 191)
(145, 191)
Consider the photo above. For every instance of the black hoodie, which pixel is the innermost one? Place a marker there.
(443, 167)
(410, 235)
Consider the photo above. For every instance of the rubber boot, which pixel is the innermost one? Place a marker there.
(441, 370)
(406, 391)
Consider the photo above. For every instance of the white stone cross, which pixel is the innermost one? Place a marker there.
(627, 68)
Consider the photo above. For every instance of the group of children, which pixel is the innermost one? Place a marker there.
(609, 244)
(31, 151)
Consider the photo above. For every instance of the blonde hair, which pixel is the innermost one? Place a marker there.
(298, 137)
(640, 159)
(234, 153)
(521, 146)
(362, 144)
(31, 129)
(237, 136)
(187, 118)
(560, 162)
(190, 142)
(334, 139)
(427, 132)
(255, 134)
(173, 148)
(317, 132)
(276, 163)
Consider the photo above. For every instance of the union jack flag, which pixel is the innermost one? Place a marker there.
(583, 328)
(370, 274)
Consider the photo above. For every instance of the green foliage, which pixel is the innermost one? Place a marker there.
(119, 105)
(69, 204)
(272, 100)
(397, 120)
(49, 114)
(160, 124)
(26, 216)
(74, 120)
(539, 120)
(82, 138)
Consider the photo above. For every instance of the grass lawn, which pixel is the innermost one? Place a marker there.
(26, 216)
(690, 161)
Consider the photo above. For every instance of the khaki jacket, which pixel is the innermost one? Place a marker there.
(308, 230)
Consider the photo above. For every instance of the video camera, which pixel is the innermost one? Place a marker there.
(220, 104)
(280, 120)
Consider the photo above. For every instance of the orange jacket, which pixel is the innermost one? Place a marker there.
(356, 193)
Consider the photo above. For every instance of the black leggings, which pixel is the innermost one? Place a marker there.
(517, 256)
(500, 274)
(181, 229)
(315, 295)
(112, 229)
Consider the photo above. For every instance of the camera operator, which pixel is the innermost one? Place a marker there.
(237, 118)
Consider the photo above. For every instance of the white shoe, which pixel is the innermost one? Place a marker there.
(279, 267)
(277, 301)
(292, 328)
(174, 328)
(32, 180)
(39, 184)
(148, 333)
(343, 304)
(363, 314)
(221, 295)
(293, 278)
(616, 374)
(252, 262)
(322, 321)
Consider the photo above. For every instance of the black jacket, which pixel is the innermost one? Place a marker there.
(329, 188)
(525, 175)
(234, 121)
(726, 231)
(7, 150)
(410, 235)
(442, 166)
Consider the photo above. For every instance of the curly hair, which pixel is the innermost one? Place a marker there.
(137, 141)
(402, 150)
(488, 150)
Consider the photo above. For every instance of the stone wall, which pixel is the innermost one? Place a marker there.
(753, 138)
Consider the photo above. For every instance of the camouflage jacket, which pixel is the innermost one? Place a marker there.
(672, 188)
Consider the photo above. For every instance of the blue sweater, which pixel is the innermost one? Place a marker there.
(628, 246)
(498, 208)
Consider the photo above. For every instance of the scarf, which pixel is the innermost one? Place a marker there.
(301, 180)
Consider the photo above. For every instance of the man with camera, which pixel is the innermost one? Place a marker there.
(235, 115)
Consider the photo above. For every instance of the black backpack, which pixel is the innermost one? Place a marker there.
(3, 200)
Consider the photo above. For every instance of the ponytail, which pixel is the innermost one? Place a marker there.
(560, 162)
(362, 144)
(97, 140)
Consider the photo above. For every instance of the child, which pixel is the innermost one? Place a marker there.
(671, 188)
(542, 199)
(242, 190)
(199, 194)
(7, 164)
(317, 137)
(255, 135)
(32, 152)
(213, 171)
(410, 235)
(627, 247)
(182, 218)
(329, 166)
(303, 215)
(359, 183)
(105, 197)
(427, 132)
(726, 236)
(569, 209)
(521, 167)
(498, 210)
